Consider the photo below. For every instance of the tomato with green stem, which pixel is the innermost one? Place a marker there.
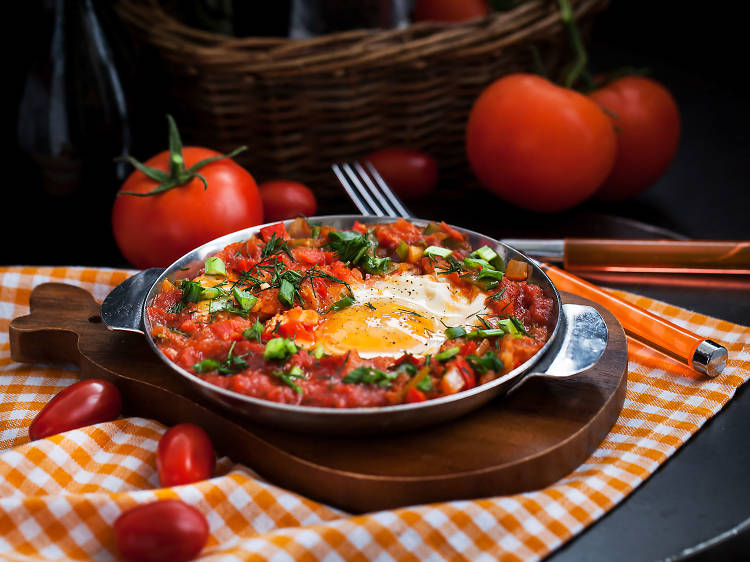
(180, 199)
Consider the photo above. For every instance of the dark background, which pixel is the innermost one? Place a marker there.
(698, 51)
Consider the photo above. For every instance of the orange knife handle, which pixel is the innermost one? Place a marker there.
(682, 256)
(656, 332)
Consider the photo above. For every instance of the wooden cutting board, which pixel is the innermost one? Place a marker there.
(521, 442)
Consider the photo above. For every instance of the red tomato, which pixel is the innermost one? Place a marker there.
(86, 402)
(410, 173)
(154, 231)
(184, 455)
(162, 530)
(286, 199)
(540, 146)
(647, 122)
(449, 10)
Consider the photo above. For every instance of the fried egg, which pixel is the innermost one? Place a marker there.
(397, 314)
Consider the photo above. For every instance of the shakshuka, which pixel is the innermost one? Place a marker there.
(377, 315)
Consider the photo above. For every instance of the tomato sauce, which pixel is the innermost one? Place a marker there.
(251, 327)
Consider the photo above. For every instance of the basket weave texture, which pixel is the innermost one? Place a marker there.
(301, 105)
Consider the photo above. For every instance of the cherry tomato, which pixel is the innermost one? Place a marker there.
(155, 230)
(410, 173)
(286, 199)
(449, 10)
(537, 145)
(184, 455)
(86, 402)
(162, 530)
(647, 122)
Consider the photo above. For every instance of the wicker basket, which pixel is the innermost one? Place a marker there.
(302, 105)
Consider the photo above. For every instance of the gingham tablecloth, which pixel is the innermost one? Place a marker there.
(60, 496)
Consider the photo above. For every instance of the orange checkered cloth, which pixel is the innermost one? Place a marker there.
(60, 496)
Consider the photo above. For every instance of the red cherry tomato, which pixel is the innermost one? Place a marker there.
(410, 173)
(540, 146)
(162, 530)
(647, 122)
(184, 455)
(287, 199)
(449, 10)
(86, 402)
(155, 230)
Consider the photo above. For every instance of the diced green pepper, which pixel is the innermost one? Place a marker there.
(210, 293)
(402, 250)
(477, 263)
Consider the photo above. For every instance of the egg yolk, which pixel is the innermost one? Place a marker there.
(382, 328)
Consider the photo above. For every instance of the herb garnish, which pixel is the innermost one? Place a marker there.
(356, 249)
(369, 375)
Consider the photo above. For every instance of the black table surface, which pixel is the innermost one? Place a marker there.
(697, 504)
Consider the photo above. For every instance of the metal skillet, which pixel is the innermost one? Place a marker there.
(577, 340)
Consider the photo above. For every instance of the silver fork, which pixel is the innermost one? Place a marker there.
(368, 191)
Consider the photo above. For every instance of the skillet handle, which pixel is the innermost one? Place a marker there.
(580, 345)
(122, 309)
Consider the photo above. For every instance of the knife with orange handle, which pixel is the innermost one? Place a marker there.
(654, 256)
(697, 352)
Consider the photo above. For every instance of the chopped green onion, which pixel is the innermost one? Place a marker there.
(214, 266)
(210, 293)
(287, 378)
(191, 290)
(491, 333)
(455, 332)
(369, 375)
(286, 293)
(319, 352)
(425, 385)
(487, 362)
(477, 263)
(280, 349)
(217, 305)
(490, 274)
(296, 372)
(206, 366)
(342, 303)
(254, 332)
(447, 354)
(437, 251)
(486, 253)
(246, 300)
(315, 232)
(498, 263)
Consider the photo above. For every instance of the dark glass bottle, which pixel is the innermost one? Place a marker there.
(73, 115)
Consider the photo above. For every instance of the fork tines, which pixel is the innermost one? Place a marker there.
(368, 191)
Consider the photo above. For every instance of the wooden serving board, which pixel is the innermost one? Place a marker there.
(521, 442)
